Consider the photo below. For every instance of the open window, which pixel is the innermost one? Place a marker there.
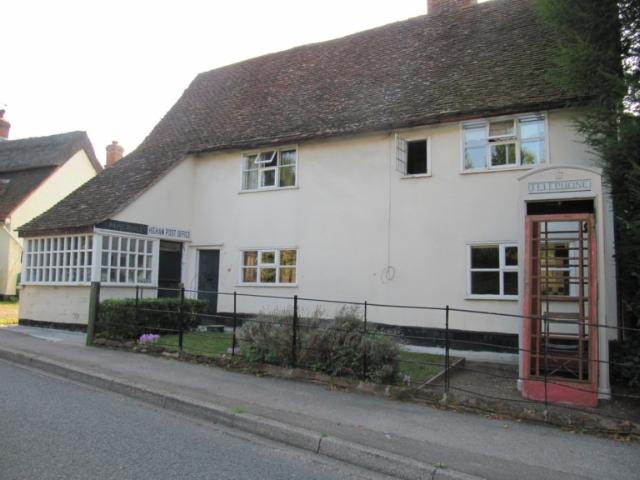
(269, 169)
(412, 156)
(504, 143)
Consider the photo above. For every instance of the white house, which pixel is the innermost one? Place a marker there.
(35, 174)
(425, 162)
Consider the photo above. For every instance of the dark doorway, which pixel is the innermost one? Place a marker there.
(208, 267)
(169, 269)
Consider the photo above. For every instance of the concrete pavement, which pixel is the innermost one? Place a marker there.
(400, 438)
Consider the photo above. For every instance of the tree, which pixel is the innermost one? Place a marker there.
(598, 62)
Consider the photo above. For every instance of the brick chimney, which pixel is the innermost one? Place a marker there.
(4, 127)
(434, 7)
(114, 153)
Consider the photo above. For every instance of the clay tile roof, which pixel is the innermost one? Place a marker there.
(485, 59)
(26, 163)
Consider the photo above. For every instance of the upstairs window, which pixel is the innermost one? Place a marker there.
(264, 267)
(412, 156)
(504, 143)
(269, 169)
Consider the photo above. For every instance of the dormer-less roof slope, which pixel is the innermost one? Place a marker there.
(480, 60)
(26, 163)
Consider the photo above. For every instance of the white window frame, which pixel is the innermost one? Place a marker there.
(402, 155)
(518, 142)
(501, 269)
(153, 255)
(276, 169)
(276, 265)
(44, 261)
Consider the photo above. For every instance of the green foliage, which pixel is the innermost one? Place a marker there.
(598, 61)
(118, 319)
(626, 356)
(335, 347)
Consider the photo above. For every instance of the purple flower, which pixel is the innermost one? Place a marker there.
(148, 338)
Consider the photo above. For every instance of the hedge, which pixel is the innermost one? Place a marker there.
(118, 319)
(335, 346)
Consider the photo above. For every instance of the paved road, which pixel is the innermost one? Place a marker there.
(54, 429)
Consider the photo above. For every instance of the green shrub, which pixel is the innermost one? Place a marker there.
(335, 347)
(118, 319)
(625, 359)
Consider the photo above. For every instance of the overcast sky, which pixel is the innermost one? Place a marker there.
(114, 68)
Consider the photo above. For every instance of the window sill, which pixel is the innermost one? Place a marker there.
(55, 284)
(268, 285)
(501, 298)
(268, 189)
(500, 169)
(415, 175)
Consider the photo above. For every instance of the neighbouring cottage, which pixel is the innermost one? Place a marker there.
(35, 174)
(425, 162)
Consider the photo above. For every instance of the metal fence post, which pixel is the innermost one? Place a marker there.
(545, 319)
(181, 319)
(446, 352)
(294, 336)
(135, 311)
(364, 345)
(235, 323)
(94, 306)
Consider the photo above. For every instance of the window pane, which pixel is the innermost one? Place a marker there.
(113, 275)
(475, 136)
(510, 283)
(288, 275)
(132, 245)
(532, 128)
(485, 283)
(250, 162)
(287, 257)
(267, 178)
(105, 242)
(268, 257)
(532, 152)
(268, 275)
(131, 276)
(249, 275)
(501, 128)
(250, 180)
(288, 157)
(503, 154)
(511, 256)
(250, 259)
(287, 176)
(149, 245)
(485, 257)
(268, 159)
(474, 157)
(124, 244)
(416, 157)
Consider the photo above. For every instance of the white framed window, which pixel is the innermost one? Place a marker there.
(501, 143)
(269, 169)
(126, 260)
(269, 267)
(413, 157)
(492, 271)
(62, 259)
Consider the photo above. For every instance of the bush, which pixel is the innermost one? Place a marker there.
(117, 319)
(335, 347)
(625, 359)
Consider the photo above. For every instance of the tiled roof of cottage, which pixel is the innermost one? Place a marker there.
(26, 163)
(480, 60)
